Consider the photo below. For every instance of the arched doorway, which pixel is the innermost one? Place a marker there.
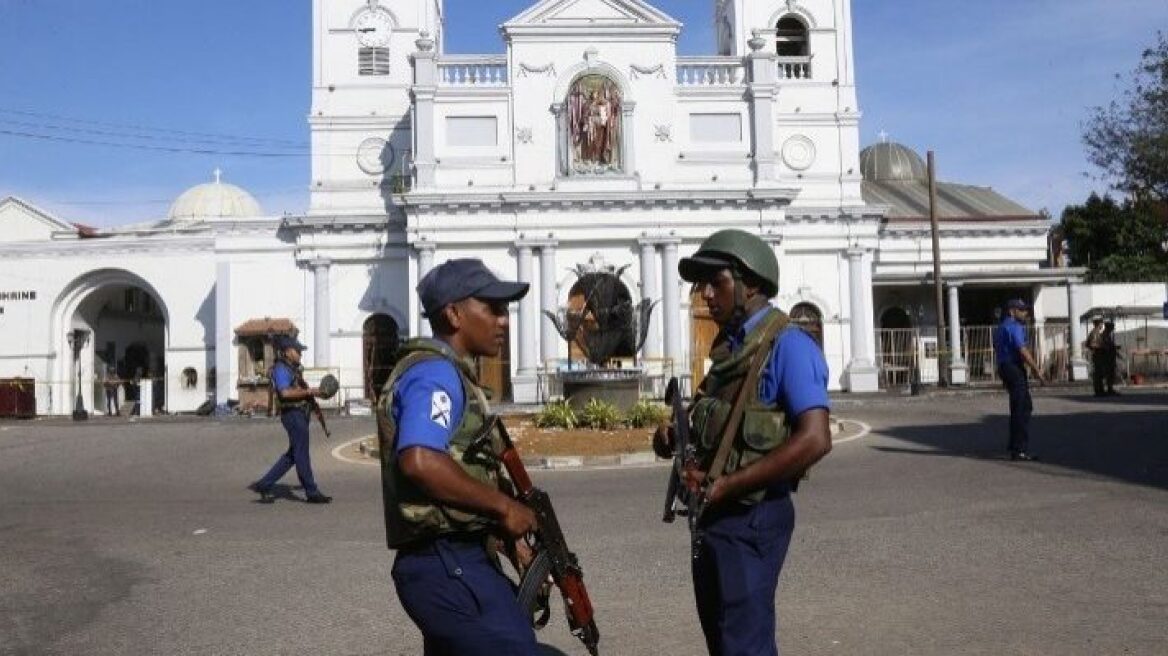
(128, 339)
(106, 312)
(380, 341)
(808, 317)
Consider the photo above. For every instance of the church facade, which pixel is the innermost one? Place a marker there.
(590, 146)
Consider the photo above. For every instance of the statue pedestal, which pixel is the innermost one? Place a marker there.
(620, 387)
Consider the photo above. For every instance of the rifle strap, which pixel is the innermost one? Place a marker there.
(775, 323)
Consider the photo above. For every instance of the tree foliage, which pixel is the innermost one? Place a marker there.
(1128, 139)
(1118, 242)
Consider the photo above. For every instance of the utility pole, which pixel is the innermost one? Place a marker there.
(938, 284)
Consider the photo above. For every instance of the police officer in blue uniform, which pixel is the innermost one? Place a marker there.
(446, 511)
(292, 398)
(1013, 356)
(783, 429)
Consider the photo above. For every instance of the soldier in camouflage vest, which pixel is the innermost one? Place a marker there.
(765, 399)
(444, 508)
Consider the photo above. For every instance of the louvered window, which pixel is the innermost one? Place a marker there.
(373, 61)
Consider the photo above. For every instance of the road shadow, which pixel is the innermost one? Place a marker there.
(1123, 398)
(548, 650)
(1130, 446)
(282, 492)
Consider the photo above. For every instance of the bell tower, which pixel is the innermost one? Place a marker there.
(362, 71)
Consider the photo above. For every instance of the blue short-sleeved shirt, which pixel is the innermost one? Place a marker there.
(428, 402)
(795, 378)
(1009, 340)
(283, 377)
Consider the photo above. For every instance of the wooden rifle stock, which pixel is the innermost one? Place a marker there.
(552, 556)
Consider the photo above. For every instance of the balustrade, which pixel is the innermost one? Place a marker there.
(476, 72)
(714, 72)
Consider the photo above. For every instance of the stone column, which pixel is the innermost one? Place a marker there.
(524, 384)
(424, 90)
(958, 370)
(1078, 364)
(425, 263)
(322, 312)
(628, 144)
(763, 86)
(862, 375)
(671, 306)
(224, 349)
(549, 339)
(650, 291)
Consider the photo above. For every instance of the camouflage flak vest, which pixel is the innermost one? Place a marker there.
(763, 427)
(411, 517)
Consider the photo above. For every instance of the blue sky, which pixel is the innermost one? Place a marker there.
(998, 89)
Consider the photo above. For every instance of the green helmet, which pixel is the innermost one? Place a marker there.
(733, 249)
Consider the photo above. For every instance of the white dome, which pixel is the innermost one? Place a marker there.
(214, 200)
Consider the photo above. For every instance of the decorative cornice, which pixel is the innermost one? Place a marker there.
(587, 200)
(106, 247)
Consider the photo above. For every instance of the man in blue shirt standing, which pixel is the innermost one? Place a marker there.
(293, 396)
(1013, 356)
(446, 511)
(760, 420)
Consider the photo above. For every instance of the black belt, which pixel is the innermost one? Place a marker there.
(427, 545)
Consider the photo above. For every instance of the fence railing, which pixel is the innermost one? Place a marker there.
(906, 354)
(711, 72)
(794, 68)
(473, 72)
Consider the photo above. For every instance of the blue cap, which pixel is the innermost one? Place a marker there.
(284, 342)
(455, 280)
(1017, 304)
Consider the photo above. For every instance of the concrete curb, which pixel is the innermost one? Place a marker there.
(614, 461)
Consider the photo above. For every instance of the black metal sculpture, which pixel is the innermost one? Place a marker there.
(608, 322)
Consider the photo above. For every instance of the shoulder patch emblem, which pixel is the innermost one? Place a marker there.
(440, 408)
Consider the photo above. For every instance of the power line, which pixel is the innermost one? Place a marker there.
(140, 128)
(168, 149)
(146, 137)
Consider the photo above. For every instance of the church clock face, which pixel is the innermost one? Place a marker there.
(373, 27)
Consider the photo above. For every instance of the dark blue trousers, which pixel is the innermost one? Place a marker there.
(1021, 406)
(461, 602)
(296, 424)
(736, 575)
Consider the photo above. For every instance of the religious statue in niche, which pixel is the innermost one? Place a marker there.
(594, 125)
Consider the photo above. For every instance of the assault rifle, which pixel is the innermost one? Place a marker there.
(551, 551)
(319, 416)
(679, 498)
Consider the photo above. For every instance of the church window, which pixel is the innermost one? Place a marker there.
(594, 122)
(792, 38)
(373, 61)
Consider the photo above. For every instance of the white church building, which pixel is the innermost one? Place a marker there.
(588, 145)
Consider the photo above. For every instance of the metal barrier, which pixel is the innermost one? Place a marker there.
(904, 354)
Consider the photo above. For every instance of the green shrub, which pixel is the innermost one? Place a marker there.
(557, 414)
(646, 414)
(601, 415)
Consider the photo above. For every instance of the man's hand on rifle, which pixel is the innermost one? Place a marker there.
(517, 519)
(663, 441)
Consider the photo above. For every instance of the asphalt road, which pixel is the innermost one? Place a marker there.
(919, 538)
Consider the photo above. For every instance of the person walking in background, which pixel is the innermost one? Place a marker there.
(293, 396)
(1094, 346)
(1110, 351)
(1013, 357)
(110, 385)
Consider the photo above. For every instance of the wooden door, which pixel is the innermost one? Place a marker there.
(703, 330)
(495, 373)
